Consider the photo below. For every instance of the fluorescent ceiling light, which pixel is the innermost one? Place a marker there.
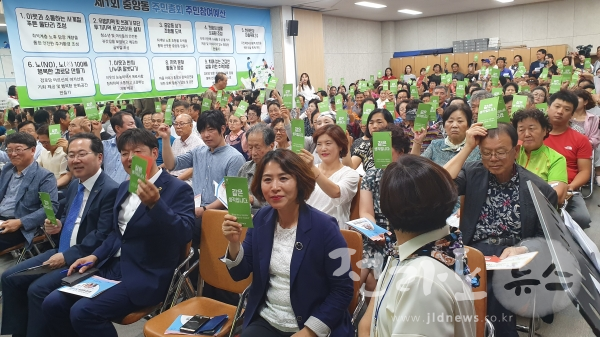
(505, 1)
(2, 24)
(409, 11)
(370, 4)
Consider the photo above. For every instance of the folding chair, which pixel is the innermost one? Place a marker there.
(212, 271)
(476, 263)
(41, 237)
(186, 254)
(355, 202)
(354, 241)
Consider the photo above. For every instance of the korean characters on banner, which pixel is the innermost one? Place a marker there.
(51, 31)
(210, 66)
(49, 77)
(214, 38)
(172, 73)
(123, 75)
(121, 34)
(170, 36)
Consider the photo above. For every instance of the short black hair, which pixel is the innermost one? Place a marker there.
(43, 130)
(255, 108)
(106, 111)
(79, 111)
(58, 115)
(464, 108)
(117, 119)
(507, 98)
(543, 51)
(196, 107)
(12, 116)
(426, 191)
(536, 114)
(137, 137)
(12, 90)
(566, 96)
(510, 84)
(25, 123)
(400, 140)
(386, 115)
(211, 119)
(406, 91)
(21, 138)
(96, 144)
(180, 102)
(41, 116)
(504, 128)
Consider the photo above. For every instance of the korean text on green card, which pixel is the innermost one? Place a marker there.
(288, 95)
(297, 135)
(206, 104)
(47, 205)
(91, 110)
(382, 149)
(238, 200)
(488, 113)
(422, 118)
(341, 119)
(55, 133)
(139, 170)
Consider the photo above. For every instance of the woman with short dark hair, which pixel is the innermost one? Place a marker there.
(295, 284)
(426, 246)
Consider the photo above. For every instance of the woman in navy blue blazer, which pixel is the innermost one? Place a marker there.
(300, 286)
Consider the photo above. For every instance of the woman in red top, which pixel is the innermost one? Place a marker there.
(388, 75)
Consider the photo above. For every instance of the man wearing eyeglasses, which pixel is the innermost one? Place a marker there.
(498, 209)
(86, 222)
(187, 141)
(21, 180)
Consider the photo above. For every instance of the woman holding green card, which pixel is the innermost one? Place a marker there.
(236, 137)
(377, 120)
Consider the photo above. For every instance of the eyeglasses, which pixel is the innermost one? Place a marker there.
(499, 154)
(157, 120)
(279, 130)
(79, 155)
(234, 122)
(17, 151)
(178, 125)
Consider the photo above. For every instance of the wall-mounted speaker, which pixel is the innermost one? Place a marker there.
(292, 28)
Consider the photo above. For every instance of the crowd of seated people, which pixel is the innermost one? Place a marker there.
(301, 201)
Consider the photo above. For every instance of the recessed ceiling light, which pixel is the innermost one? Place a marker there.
(505, 1)
(370, 4)
(409, 11)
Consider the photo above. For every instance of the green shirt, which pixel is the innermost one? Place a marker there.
(545, 163)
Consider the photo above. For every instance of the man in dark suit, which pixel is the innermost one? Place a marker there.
(87, 222)
(21, 180)
(149, 230)
(498, 213)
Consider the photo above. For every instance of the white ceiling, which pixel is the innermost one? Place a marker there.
(347, 8)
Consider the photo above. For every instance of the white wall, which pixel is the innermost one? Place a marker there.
(353, 48)
(571, 22)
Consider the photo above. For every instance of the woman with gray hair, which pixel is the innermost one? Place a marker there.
(475, 99)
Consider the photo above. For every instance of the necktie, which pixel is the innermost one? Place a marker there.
(69, 225)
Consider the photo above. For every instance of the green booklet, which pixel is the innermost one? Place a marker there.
(323, 106)
(367, 109)
(544, 74)
(588, 64)
(394, 87)
(298, 103)
(555, 84)
(567, 73)
(574, 79)
(414, 92)
(241, 109)
(519, 103)
(461, 87)
(261, 96)
(559, 65)
(339, 100)
(422, 119)
(288, 95)
(10, 132)
(434, 101)
(272, 83)
(362, 86)
(386, 85)
(168, 117)
(330, 82)
(389, 106)
(379, 74)
(71, 113)
(238, 200)
(220, 95)
(47, 205)
(297, 135)
(447, 79)
(497, 92)
(91, 110)
(372, 78)
(206, 103)
(170, 105)
(543, 107)
(502, 111)
(476, 58)
(341, 119)
(495, 76)
(157, 107)
(54, 131)
(140, 170)
(341, 81)
(382, 149)
(488, 113)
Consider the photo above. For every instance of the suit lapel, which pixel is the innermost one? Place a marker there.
(93, 194)
(265, 236)
(27, 179)
(526, 210)
(7, 170)
(161, 183)
(302, 242)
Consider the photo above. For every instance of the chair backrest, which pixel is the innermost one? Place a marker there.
(212, 247)
(185, 252)
(354, 241)
(355, 202)
(476, 263)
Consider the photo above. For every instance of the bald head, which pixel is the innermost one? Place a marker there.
(183, 126)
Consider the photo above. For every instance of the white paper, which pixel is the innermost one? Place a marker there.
(453, 221)
(58, 77)
(249, 39)
(117, 34)
(170, 36)
(511, 262)
(51, 31)
(118, 75)
(221, 193)
(210, 66)
(175, 72)
(214, 38)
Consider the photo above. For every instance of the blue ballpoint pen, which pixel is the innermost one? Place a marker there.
(79, 266)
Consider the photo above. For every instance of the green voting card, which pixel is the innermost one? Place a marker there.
(588, 64)
(169, 117)
(10, 132)
(54, 131)
(323, 106)
(339, 99)
(91, 110)
(497, 92)
(206, 103)
(362, 86)
(241, 109)
(379, 74)
(476, 58)
(288, 95)
(422, 119)
(330, 82)
(495, 76)
(341, 81)
(382, 149)
(71, 113)
(297, 135)
(298, 103)
(434, 101)
(427, 69)
(488, 113)
(272, 83)
(555, 84)
(461, 87)
(446, 60)
(140, 170)
(544, 74)
(170, 105)
(386, 85)
(574, 79)
(543, 107)
(567, 73)
(389, 106)
(220, 95)
(367, 109)
(394, 86)
(341, 119)
(157, 107)
(414, 92)
(370, 85)
(238, 200)
(559, 65)
(524, 88)
(372, 78)
(47, 205)
(519, 103)
(502, 111)
(261, 96)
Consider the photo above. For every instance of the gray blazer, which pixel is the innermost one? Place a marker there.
(29, 207)
(472, 182)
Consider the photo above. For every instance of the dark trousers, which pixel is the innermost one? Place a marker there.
(504, 321)
(10, 239)
(261, 328)
(69, 315)
(23, 296)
